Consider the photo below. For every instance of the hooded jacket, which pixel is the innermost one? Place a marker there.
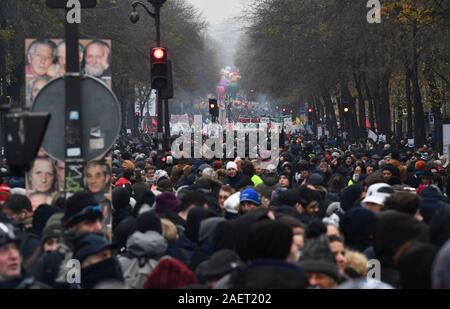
(205, 238)
(143, 252)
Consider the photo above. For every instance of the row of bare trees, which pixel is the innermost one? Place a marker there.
(325, 53)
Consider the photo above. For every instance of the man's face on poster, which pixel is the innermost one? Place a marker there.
(42, 175)
(96, 178)
(96, 59)
(40, 58)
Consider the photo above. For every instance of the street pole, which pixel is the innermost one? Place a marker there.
(163, 113)
(74, 162)
(157, 4)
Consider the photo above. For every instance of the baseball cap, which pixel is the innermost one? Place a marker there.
(250, 195)
(378, 193)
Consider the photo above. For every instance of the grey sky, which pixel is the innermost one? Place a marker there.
(217, 11)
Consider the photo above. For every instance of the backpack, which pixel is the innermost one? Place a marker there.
(137, 270)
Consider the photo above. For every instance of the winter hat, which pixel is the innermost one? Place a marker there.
(88, 245)
(334, 208)
(53, 227)
(160, 174)
(219, 264)
(170, 274)
(209, 172)
(231, 165)
(358, 227)
(148, 221)
(217, 165)
(316, 179)
(318, 258)
(41, 215)
(128, 165)
(441, 268)
(81, 206)
(120, 198)
(269, 240)
(287, 175)
(250, 195)
(4, 193)
(332, 220)
(207, 229)
(203, 166)
(231, 204)
(378, 193)
(421, 166)
(167, 201)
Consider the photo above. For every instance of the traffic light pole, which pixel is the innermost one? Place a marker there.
(162, 107)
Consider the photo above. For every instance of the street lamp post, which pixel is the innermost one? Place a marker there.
(134, 18)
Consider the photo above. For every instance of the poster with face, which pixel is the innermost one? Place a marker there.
(46, 60)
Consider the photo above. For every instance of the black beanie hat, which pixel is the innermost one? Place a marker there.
(148, 221)
(289, 198)
(76, 209)
(41, 216)
(269, 240)
(120, 198)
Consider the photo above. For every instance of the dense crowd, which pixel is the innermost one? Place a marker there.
(328, 215)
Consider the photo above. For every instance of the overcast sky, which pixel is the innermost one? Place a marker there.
(217, 11)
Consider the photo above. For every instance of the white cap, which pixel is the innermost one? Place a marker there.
(378, 193)
(232, 203)
(231, 165)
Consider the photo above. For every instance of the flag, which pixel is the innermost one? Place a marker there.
(372, 136)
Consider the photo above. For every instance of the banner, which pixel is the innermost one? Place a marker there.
(372, 136)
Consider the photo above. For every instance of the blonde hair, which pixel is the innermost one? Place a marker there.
(169, 231)
(356, 261)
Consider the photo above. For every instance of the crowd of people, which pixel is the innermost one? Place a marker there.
(328, 215)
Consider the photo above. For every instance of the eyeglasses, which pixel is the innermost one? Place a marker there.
(89, 210)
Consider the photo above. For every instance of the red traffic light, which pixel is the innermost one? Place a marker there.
(159, 53)
(346, 109)
(310, 110)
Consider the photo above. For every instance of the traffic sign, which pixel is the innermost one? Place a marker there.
(100, 117)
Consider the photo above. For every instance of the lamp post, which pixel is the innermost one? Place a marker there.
(156, 15)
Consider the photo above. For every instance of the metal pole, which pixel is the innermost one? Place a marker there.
(73, 126)
(166, 124)
(158, 25)
(162, 106)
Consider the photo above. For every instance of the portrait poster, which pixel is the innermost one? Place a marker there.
(46, 60)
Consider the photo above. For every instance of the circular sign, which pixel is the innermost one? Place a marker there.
(101, 117)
